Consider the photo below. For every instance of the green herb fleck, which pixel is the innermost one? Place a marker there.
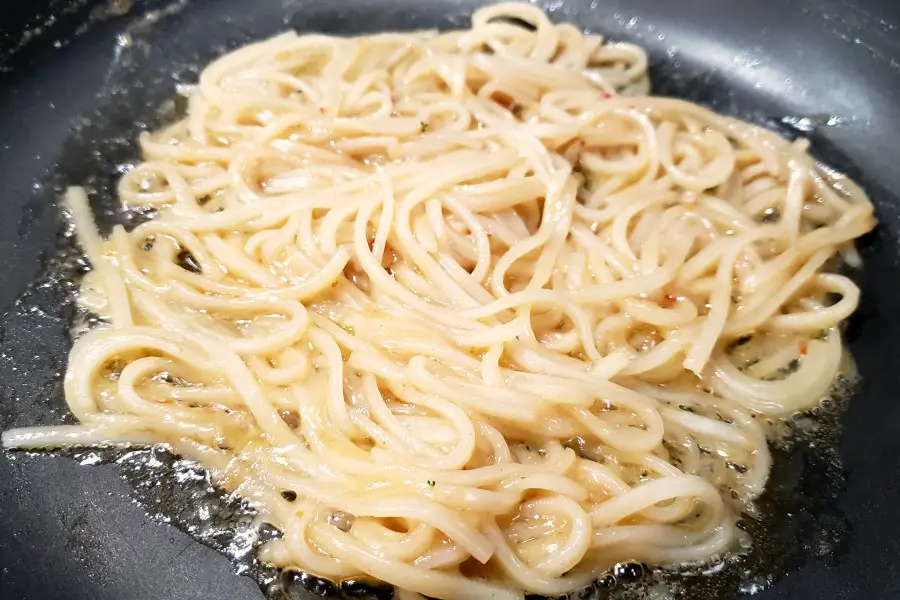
(431, 483)
(423, 126)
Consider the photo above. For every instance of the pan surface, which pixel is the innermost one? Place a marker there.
(78, 80)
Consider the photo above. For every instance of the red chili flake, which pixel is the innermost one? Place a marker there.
(804, 347)
(607, 95)
(669, 300)
(503, 99)
(389, 258)
(290, 417)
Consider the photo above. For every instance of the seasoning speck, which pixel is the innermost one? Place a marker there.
(341, 520)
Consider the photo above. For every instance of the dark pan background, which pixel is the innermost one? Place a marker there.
(71, 104)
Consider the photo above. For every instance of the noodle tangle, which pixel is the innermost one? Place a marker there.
(468, 312)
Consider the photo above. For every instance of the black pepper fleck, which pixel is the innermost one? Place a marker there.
(626, 572)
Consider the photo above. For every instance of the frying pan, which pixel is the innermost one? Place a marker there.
(80, 78)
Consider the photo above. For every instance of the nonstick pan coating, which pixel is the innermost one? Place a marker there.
(74, 92)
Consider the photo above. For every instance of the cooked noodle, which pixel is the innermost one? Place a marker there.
(467, 312)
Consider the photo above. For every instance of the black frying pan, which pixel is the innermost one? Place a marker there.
(71, 103)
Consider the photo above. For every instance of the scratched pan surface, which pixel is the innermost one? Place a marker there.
(71, 101)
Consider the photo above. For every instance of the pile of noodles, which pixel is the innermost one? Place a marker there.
(466, 312)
